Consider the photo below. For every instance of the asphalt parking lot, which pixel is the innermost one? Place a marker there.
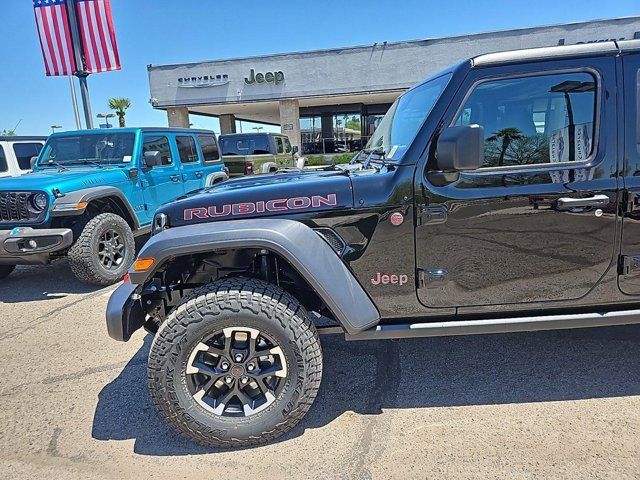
(74, 403)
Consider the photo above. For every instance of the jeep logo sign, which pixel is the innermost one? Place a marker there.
(269, 77)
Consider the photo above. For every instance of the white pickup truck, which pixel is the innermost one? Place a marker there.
(16, 153)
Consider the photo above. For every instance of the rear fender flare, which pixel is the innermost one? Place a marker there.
(215, 177)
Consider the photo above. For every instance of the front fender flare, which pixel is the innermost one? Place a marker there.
(92, 193)
(307, 252)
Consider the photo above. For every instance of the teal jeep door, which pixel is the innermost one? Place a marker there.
(162, 183)
(191, 163)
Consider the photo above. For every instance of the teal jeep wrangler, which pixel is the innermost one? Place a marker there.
(91, 192)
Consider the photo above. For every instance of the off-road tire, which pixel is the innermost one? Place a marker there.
(5, 270)
(235, 302)
(83, 254)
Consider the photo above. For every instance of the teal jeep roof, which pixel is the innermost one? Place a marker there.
(131, 130)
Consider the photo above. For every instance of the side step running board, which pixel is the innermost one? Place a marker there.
(498, 325)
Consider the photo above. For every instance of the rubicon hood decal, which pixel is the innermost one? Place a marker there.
(262, 206)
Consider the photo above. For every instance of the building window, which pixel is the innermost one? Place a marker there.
(311, 134)
(347, 132)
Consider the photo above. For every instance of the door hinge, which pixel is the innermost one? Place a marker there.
(431, 214)
(630, 201)
(629, 264)
(431, 276)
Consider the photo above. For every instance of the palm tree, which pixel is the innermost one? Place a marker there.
(120, 105)
(507, 135)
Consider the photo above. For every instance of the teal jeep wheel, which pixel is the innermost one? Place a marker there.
(103, 251)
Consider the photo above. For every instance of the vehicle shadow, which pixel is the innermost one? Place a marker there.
(42, 282)
(47, 282)
(367, 377)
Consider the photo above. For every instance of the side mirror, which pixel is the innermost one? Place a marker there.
(33, 161)
(461, 148)
(152, 159)
(294, 150)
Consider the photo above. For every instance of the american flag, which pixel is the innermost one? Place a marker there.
(98, 35)
(55, 36)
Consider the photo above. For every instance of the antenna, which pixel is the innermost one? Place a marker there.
(17, 124)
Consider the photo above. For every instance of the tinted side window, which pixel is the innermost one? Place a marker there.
(187, 149)
(279, 145)
(158, 144)
(287, 145)
(534, 120)
(209, 148)
(3, 161)
(24, 152)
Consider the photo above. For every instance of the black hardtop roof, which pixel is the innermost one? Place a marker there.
(560, 51)
(21, 138)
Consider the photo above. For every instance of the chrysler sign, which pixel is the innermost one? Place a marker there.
(203, 81)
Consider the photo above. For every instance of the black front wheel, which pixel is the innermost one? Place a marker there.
(238, 363)
(104, 250)
(5, 270)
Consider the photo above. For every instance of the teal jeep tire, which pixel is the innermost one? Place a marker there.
(103, 251)
(237, 363)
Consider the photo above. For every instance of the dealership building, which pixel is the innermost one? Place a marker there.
(330, 101)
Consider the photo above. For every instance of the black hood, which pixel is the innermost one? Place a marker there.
(252, 196)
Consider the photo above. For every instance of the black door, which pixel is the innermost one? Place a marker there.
(629, 281)
(537, 223)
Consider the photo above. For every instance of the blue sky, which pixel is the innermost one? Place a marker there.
(163, 31)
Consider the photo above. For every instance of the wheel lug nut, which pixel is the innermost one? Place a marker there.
(238, 357)
(244, 380)
(228, 379)
(225, 365)
(251, 367)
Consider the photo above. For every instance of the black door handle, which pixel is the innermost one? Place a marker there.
(568, 203)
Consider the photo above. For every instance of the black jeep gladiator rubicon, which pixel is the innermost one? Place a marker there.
(499, 195)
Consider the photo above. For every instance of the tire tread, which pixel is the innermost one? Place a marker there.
(234, 295)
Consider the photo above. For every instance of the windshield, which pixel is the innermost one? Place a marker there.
(101, 148)
(400, 125)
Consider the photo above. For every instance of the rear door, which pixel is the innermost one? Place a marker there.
(211, 158)
(191, 162)
(538, 222)
(629, 281)
(162, 183)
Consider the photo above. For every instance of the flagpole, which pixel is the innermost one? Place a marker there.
(74, 100)
(81, 72)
